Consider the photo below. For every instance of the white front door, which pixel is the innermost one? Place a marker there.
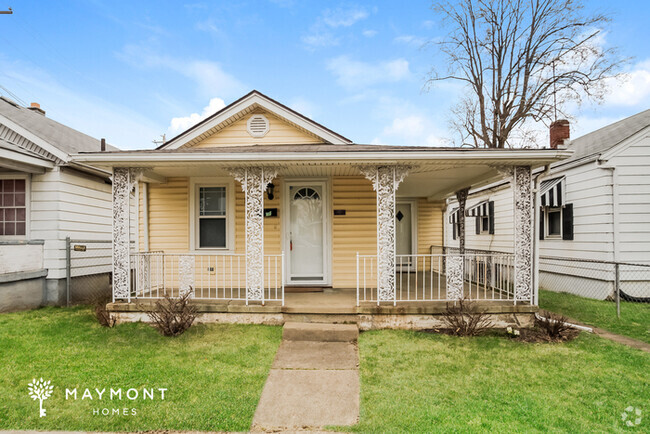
(306, 231)
(404, 232)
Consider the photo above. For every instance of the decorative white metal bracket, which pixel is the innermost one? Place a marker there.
(385, 181)
(254, 181)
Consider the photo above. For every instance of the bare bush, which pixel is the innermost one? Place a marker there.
(553, 326)
(173, 316)
(464, 319)
(103, 316)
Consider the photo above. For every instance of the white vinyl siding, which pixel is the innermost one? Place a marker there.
(633, 178)
(66, 203)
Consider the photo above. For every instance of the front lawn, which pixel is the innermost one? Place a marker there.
(419, 382)
(214, 374)
(634, 321)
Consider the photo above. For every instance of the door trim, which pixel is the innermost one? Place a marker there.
(327, 229)
(414, 222)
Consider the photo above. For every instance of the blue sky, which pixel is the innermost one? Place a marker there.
(132, 71)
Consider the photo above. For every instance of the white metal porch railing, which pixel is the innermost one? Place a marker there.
(486, 277)
(208, 276)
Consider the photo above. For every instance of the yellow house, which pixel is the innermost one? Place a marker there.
(258, 200)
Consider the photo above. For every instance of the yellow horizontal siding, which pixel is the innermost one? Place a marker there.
(429, 225)
(169, 221)
(280, 133)
(354, 232)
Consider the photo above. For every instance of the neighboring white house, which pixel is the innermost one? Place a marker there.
(594, 206)
(44, 198)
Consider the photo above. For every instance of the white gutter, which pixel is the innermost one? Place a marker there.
(475, 156)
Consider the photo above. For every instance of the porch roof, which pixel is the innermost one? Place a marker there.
(435, 173)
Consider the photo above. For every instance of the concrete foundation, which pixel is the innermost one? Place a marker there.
(22, 290)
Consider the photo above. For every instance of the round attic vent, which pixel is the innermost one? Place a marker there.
(258, 125)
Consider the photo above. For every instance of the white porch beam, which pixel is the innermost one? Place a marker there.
(254, 181)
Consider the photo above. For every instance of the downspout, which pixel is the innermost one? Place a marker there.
(145, 214)
(615, 217)
(536, 217)
(137, 217)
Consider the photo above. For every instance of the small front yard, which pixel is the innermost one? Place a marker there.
(214, 374)
(419, 382)
(634, 321)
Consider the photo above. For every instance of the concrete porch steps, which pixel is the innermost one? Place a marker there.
(320, 332)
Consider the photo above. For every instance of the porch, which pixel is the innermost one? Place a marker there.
(357, 222)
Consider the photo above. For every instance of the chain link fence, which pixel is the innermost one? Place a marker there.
(619, 282)
(88, 270)
(89, 267)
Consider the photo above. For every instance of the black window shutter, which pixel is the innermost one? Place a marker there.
(478, 224)
(453, 230)
(541, 222)
(491, 214)
(567, 222)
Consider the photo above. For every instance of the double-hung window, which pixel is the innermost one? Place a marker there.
(13, 208)
(212, 217)
(554, 223)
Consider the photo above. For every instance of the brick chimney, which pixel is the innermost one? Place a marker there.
(559, 132)
(37, 108)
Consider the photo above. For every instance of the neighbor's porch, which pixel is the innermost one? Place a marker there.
(251, 272)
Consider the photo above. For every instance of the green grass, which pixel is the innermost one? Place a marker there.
(418, 382)
(214, 373)
(634, 321)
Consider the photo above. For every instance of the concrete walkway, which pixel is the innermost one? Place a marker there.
(314, 380)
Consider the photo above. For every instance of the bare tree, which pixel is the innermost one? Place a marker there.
(522, 61)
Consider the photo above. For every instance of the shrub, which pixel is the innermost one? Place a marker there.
(553, 326)
(173, 316)
(464, 319)
(102, 315)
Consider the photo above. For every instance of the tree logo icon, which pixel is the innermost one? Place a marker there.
(40, 390)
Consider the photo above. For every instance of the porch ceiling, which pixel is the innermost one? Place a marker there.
(435, 172)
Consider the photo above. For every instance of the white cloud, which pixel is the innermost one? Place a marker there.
(416, 41)
(180, 124)
(633, 89)
(412, 130)
(321, 32)
(119, 124)
(303, 106)
(320, 40)
(344, 17)
(369, 33)
(208, 75)
(354, 74)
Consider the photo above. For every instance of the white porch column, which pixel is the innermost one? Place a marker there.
(254, 181)
(123, 181)
(524, 230)
(385, 181)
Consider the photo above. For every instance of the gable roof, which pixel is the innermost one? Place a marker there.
(245, 105)
(54, 137)
(605, 138)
